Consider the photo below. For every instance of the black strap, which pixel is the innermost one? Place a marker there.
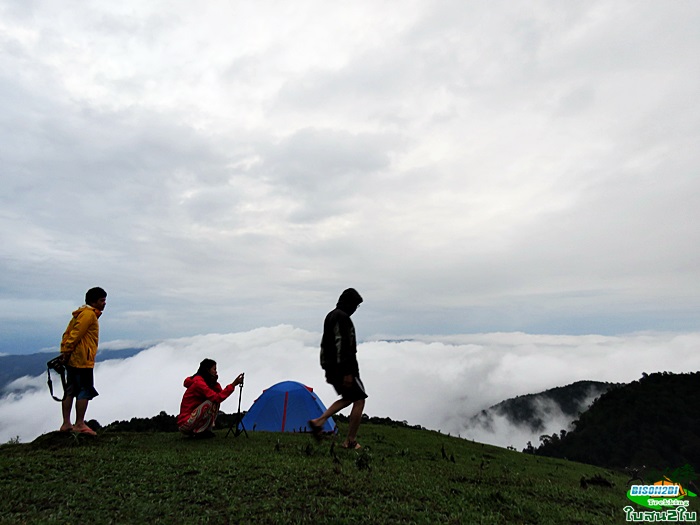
(62, 373)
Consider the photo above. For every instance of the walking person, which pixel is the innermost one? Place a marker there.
(200, 403)
(78, 349)
(339, 360)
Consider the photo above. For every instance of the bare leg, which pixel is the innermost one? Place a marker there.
(336, 407)
(80, 409)
(355, 418)
(66, 408)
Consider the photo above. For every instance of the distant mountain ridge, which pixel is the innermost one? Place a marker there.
(533, 410)
(15, 366)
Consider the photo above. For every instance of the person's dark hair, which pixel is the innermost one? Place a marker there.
(203, 372)
(94, 294)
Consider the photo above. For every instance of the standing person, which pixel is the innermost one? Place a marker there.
(339, 360)
(201, 401)
(78, 349)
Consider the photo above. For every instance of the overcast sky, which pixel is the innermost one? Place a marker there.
(469, 167)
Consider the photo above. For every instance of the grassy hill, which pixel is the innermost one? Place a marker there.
(402, 475)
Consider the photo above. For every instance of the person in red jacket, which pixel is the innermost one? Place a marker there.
(200, 404)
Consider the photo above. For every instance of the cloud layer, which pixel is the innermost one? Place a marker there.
(468, 166)
(436, 382)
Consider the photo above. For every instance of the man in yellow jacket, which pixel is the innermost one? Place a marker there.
(78, 348)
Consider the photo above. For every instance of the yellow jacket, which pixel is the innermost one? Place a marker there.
(81, 336)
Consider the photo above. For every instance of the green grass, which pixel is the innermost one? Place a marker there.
(400, 476)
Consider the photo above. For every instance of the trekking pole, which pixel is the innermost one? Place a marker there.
(238, 420)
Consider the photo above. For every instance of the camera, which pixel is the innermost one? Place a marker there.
(57, 364)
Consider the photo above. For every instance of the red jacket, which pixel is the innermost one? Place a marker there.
(197, 392)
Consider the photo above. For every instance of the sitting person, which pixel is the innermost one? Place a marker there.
(200, 404)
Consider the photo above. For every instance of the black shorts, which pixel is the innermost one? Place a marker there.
(354, 392)
(80, 383)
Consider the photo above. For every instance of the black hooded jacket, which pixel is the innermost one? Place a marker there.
(339, 345)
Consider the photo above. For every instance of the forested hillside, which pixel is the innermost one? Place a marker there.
(533, 410)
(654, 421)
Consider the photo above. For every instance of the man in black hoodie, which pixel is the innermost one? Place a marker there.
(339, 360)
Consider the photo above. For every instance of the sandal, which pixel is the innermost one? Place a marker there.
(84, 429)
(351, 445)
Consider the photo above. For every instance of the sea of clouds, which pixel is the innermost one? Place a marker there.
(438, 382)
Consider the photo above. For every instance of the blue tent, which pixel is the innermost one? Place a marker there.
(286, 407)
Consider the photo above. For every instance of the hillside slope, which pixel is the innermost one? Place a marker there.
(654, 422)
(402, 475)
(533, 410)
(15, 366)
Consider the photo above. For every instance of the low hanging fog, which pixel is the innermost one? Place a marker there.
(436, 382)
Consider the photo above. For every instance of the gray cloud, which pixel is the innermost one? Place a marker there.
(468, 167)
